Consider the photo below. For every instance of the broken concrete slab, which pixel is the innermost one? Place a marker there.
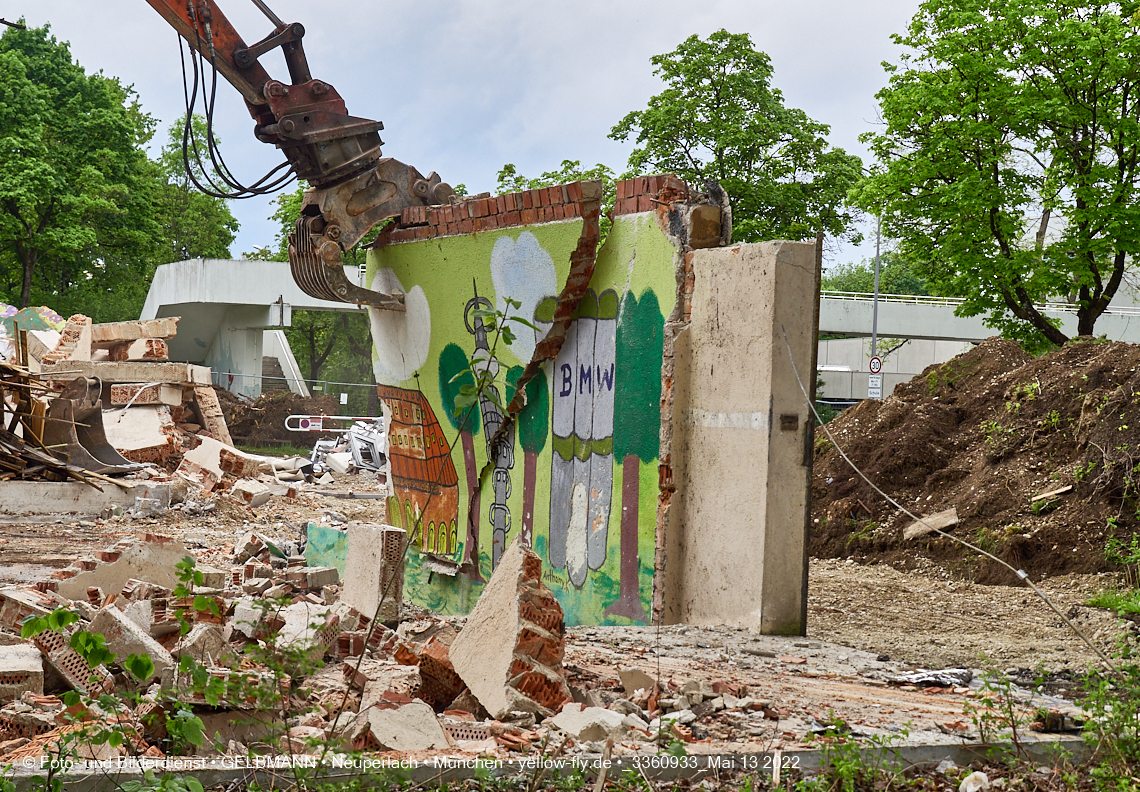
(74, 497)
(144, 434)
(319, 577)
(412, 727)
(590, 724)
(205, 643)
(110, 333)
(70, 665)
(211, 412)
(126, 638)
(308, 625)
(634, 679)
(251, 493)
(150, 561)
(510, 651)
(929, 524)
(157, 393)
(212, 459)
(74, 342)
(374, 568)
(21, 670)
(128, 371)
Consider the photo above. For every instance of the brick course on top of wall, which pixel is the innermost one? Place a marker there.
(543, 205)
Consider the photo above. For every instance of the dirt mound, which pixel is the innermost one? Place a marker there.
(262, 420)
(985, 433)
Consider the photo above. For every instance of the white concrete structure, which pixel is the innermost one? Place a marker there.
(843, 363)
(227, 305)
(908, 316)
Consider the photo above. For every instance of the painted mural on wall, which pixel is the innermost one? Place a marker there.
(590, 424)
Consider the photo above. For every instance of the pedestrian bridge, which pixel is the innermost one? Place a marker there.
(921, 317)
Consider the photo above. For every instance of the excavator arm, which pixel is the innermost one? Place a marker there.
(352, 188)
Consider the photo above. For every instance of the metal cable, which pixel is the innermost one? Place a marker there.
(1022, 574)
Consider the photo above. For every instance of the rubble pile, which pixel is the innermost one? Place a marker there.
(1028, 457)
(491, 683)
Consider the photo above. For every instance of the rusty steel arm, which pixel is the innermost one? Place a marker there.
(352, 188)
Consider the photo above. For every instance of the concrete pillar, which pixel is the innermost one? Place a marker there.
(737, 534)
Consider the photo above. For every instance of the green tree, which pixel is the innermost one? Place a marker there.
(896, 276)
(533, 424)
(720, 119)
(194, 225)
(637, 392)
(76, 187)
(1008, 164)
(454, 373)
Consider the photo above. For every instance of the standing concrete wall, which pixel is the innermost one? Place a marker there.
(741, 441)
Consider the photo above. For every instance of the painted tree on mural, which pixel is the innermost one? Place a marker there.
(533, 428)
(454, 373)
(640, 342)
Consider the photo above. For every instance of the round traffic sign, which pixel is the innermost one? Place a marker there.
(876, 364)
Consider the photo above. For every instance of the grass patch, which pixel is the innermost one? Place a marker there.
(1119, 601)
(284, 450)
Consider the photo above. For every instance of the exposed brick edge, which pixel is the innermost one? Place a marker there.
(641, 194)
(543, 205)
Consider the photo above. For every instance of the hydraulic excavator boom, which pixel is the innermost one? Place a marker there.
(352, 188)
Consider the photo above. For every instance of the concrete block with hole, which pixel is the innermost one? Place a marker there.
(125, 638)
(374, 568)
(21, 671)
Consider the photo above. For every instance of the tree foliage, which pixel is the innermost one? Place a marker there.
(720, 119)
(1008, 165)
(896, 276)
(85, 216)
(637, 383)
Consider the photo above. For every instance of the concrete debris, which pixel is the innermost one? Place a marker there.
(21, 671)
(411, 727)
(510, 651)
(125, 638)
(590, 724)
(374, 571)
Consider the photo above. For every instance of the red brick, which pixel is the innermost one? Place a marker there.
(490, 223)
(574, 191)
(453, 228)
(447, 215)
(559, 212)
(423, 232)
(557, 196)
(528, 217)
(525, 200)
(512, 218)
(107, 556)
(541, 198)
(644, 203)
(625, 188)
(653, 185)
(510, 200)
(466, 226)
(500, 205)
(572, 210)
(407, 214)
(433, 217)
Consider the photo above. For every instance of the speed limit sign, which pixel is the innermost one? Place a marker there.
(876, 364)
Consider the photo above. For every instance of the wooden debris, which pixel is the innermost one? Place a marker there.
(940, 522)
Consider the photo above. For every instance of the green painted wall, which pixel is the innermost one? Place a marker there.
(580, 458)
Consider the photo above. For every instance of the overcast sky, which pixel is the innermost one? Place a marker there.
(464, 87)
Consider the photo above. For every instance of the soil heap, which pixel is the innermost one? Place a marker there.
(985, 433)
(262, 420)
